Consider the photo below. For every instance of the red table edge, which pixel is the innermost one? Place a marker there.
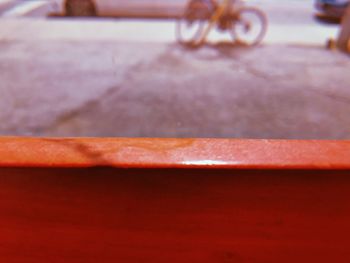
(174, 153)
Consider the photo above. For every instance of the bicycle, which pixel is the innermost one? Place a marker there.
(247, 25)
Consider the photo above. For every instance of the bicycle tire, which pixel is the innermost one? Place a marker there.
(192, 21)
(243, 26)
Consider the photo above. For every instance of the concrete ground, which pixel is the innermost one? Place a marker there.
(145, 30)
(103, 87)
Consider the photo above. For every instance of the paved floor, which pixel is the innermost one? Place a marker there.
(108, 88)
(141, 30)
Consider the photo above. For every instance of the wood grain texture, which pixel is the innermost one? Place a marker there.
(173, 215)
(171, 153)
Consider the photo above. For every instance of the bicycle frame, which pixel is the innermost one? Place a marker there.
(221, 9)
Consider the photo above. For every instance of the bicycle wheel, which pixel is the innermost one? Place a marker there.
(190, 26)
(250, 27)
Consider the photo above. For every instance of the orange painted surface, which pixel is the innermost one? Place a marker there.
(177, 215)
(274, 201)
(179, 153)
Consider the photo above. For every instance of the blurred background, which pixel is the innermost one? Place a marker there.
(114, 68)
